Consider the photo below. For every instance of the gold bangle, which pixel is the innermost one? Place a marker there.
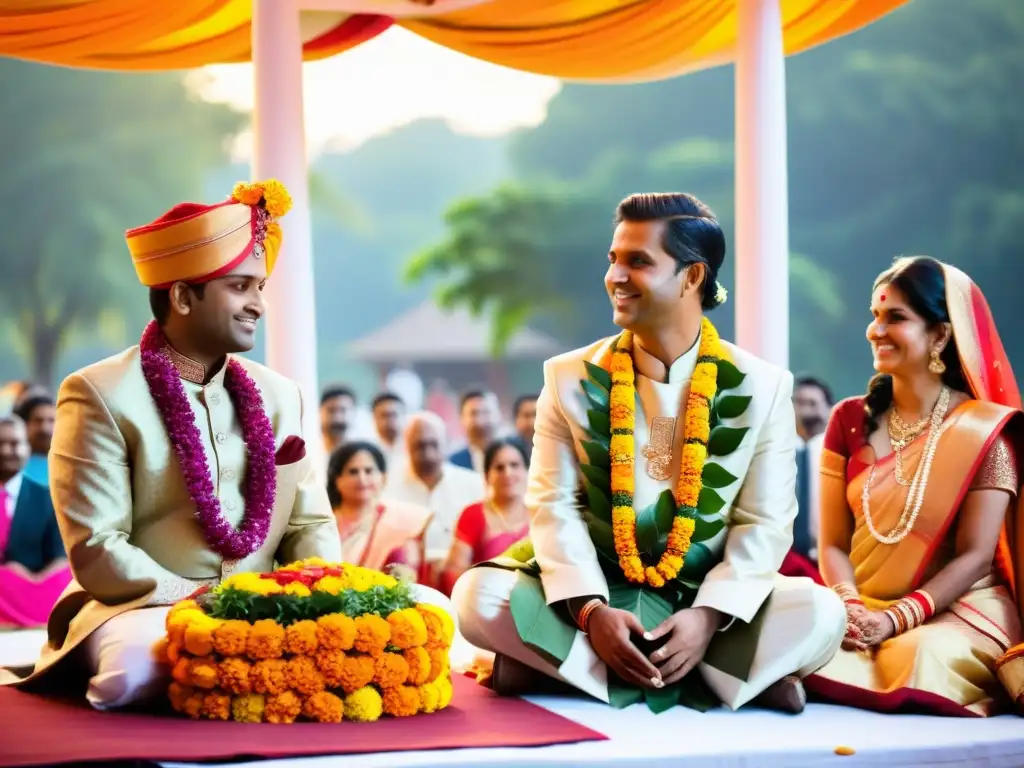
(583, 617)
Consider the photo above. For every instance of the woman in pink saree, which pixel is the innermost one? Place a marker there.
(486, 529)
(921, 508)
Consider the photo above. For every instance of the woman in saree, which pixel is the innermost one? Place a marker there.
(375, 533)
(920, 522)
(486, 529)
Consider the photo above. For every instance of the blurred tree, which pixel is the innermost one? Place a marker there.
(86, 155)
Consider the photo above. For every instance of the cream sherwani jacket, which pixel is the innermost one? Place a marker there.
(761, 505)
(124, 511)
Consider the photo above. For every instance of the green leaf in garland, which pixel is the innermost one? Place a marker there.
(597, 502)
(648, 606)
(732, 406)
(596, 475)
(725, 440)
(716, 476)
(539, 626)
(709, 502)
(600, 533)
(599, 375)
(697, 563)
(729, 376)
(653, 524)
(600, 423)
(663, 699)
(597, 454)
(597, 397)
(707, 529)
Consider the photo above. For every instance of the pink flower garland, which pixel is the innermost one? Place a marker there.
(261, 476)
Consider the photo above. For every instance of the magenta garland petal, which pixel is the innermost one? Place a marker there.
(261, 475)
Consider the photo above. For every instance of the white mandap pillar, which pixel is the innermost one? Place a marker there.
(762, 202)
(280, 152)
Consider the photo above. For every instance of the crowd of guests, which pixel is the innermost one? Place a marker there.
(409, 500)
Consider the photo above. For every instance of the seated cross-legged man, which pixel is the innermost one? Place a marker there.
(176, 463)
(661, 501)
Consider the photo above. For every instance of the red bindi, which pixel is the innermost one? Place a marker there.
(882, 297)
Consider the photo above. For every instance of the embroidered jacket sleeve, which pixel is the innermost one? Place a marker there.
(312, 530)
(90, 483)
(761, 528)
(561, 542)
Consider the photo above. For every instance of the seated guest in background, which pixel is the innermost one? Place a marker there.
(337, 415)
(177, 463)
(812, 402)
(524, 412)
(427, 480)
(920, 517)
(487, 528)
(375, 533)
(38, 411)
(33, 568)
(388, 421)
(480, 416)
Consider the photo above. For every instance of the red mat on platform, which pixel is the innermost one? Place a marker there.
(45, 731)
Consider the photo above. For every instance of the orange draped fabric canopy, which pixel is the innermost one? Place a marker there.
(596, 40)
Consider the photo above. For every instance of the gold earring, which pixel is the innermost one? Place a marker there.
(935, 364)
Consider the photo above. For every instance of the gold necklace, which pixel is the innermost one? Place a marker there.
(902, 434)
(915, 497)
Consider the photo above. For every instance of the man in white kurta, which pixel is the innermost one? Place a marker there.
(659, 295)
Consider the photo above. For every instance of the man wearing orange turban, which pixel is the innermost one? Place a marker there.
(175, 463)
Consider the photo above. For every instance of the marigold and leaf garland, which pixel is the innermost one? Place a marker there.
(311, 640)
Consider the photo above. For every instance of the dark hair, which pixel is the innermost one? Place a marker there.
(472, 394)
(337, 391)
(814, 381)
(692, 233)
(521, 401)
(25, 408)
(160, 301)
(491, 452)
(386, 397)
(922, 282)
(340, 459)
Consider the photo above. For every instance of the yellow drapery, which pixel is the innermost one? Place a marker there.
(596, 40)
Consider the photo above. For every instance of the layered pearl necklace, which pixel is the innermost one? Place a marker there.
(900, 435)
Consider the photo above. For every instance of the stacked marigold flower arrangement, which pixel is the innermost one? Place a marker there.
(312, 640)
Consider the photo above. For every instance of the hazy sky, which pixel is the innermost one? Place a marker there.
(390, 81)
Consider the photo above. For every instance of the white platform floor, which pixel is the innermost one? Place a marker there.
(717, 739)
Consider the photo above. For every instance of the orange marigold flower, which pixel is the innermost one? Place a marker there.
(372, 634)
(357, 672)
(216, 706)
(438, 663)
(419, 665)
(332, 666)
(390, 670)
(430, 697)
(407, 628)
(178, 622)
(300, 638)
(282, 707)
(180, 671)
(402, 701)
(235, 675)
(247, 194)
(336, 632)
(303, 676)
(231, 637)
(173, 652)
(198, 639)
(276, 199)
(324, 707)
(265, 641)
(248, 708)
(178, 694)
(444, 623)
(364, 705)
(193, 705)
(268, 676)
(202, 672)
(160, 650)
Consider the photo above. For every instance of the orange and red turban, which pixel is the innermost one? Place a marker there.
(195, 243)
